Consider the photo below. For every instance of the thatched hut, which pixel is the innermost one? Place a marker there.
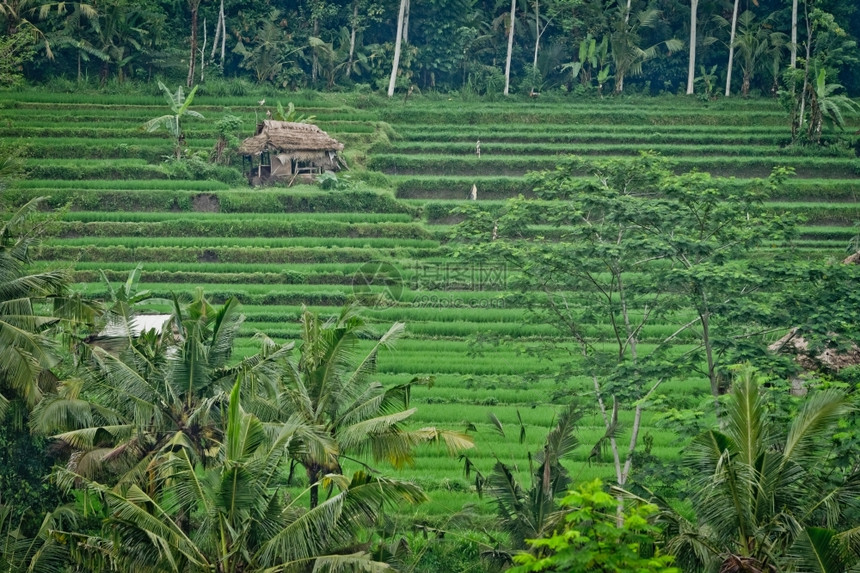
(282, 150)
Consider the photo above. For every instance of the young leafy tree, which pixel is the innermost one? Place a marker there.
(632, 243)
(593, 538)
(599, 254)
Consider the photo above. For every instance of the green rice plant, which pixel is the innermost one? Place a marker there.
(489, 148)
(587, 114)
(464, 132)
(514, 164)
(104, 170)
(251, 255)
(126, 185)
(821, 213)
(247, 242)
(239, 228)
(142, 216)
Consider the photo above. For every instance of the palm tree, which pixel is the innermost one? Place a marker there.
(624, 41)
(231, 516)
(825, 104)
(531, 514)
(179, 104)
(161, 392)
(21, 14)
(760, 491)
(27, 350)
(38, 552)
(329, 388)
(753, 41)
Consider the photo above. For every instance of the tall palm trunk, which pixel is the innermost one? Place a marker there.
(313, 472)
(397, 42)
(793, 34)
(220, 34)
(354, 26)
(510, 47)
(195, 8)
(731, 49)
(315, 64)
(406, 22)
(691, 67)
(537, 33)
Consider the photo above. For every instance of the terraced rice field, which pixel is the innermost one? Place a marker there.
(278, 249)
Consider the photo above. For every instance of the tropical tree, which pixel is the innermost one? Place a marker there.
(21, 15)
(231, 514)
(591, 57)
(27, 351)
(625, 39)
(534, 512)
(161, 392)
(267, 53)
(120, 30)
(329, 388)
(767, 497)
(15, 51)
(752, 42)
(36, 552)
(824, 103)
(194, 7)
(179, 104)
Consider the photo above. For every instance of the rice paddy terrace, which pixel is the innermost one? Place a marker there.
(277, 249)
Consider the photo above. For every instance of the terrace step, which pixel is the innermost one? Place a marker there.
(517, 165)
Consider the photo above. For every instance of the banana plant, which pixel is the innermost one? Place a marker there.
(179, 104)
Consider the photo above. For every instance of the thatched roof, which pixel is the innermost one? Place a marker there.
(296, 139)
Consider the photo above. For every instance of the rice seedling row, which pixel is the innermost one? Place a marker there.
(185, 255)
(245, 242)
(429, 188)
(148, 216)
(822, 167)
(703, 149)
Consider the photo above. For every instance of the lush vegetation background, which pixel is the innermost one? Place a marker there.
(574, 46)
